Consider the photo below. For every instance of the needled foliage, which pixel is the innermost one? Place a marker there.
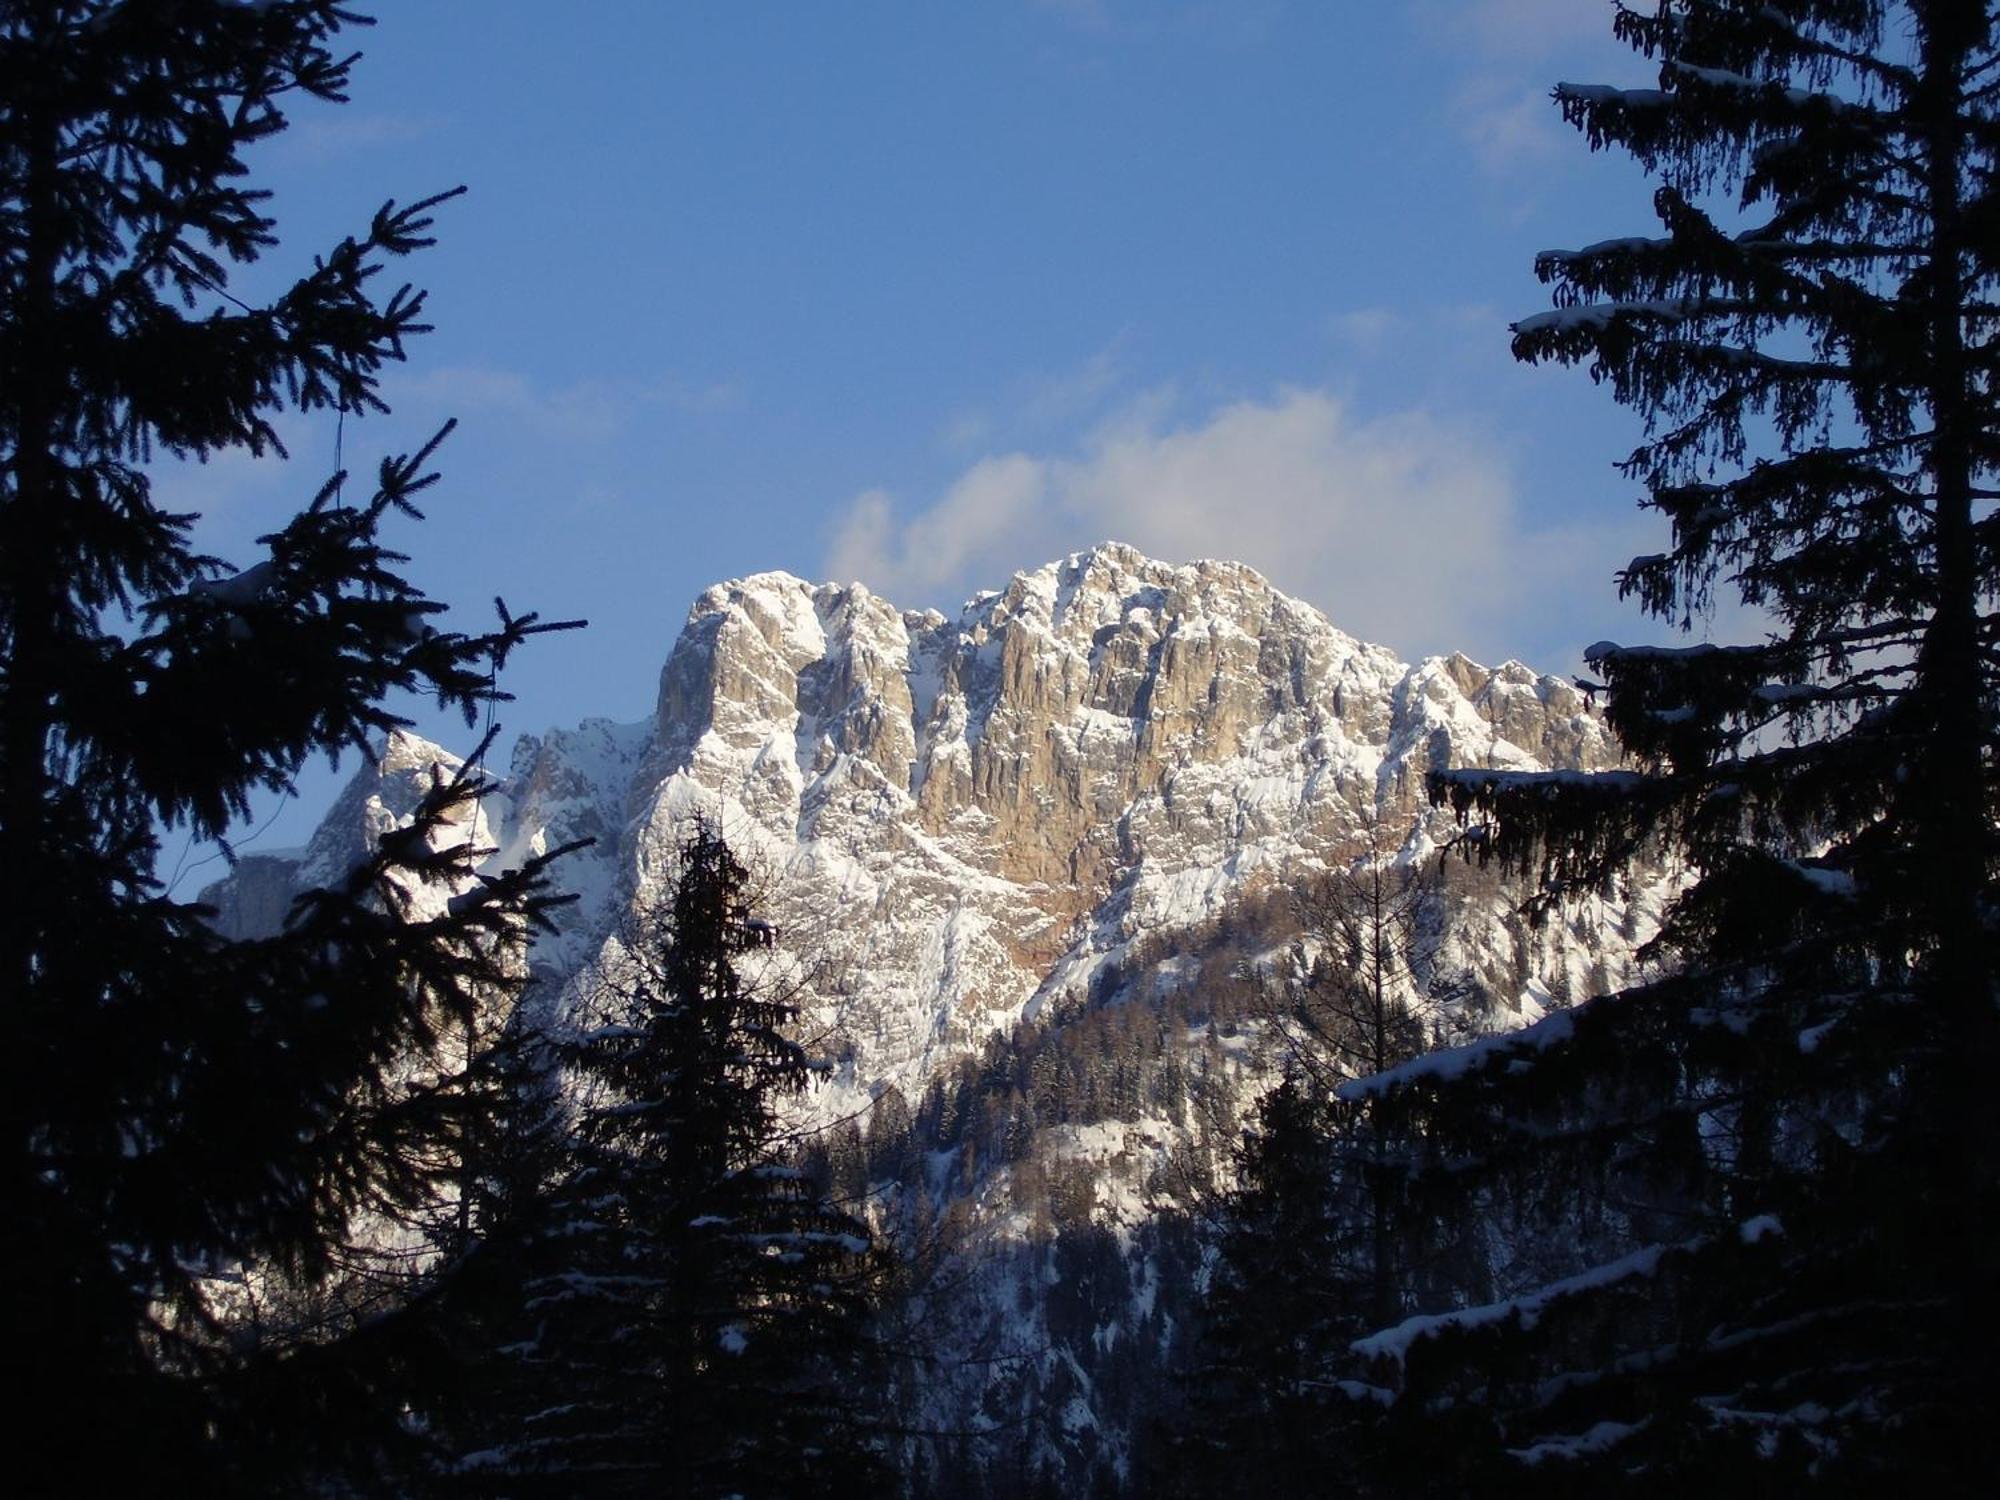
(199, 1131)
(691, 1316)
(1288, 1292)
(1737, 1221)
(1321, 1239)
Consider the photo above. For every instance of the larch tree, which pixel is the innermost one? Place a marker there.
(1368, 987)
(188, 1115)
(1318, 1244)
(1741, 1214)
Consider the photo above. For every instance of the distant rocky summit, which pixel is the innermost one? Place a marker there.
(1027, 870)
(958, 821)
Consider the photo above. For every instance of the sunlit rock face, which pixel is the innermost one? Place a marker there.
(382, 795)
(1094, 785)
(953, 821)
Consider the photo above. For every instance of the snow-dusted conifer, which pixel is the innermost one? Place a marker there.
(1283, 1302)
(1746, 1205)
(694, 1319)
(1320, 1240)
(187, 1113)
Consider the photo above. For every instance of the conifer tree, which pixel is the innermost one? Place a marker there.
(187, 1114)
(1282, 1303)
(1366, 990)
(1747, 1208)
(1318, 1245)
(694, 1321)
(509, 1165)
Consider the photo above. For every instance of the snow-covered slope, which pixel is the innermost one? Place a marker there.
(1060, 799)
(955, 821)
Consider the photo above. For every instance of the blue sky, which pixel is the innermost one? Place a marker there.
(926, 293)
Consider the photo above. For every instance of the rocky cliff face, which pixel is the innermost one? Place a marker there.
(1053, 835)
(960, 820)
(957, 821)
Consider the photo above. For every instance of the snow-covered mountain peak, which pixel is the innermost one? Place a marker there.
(382, 795)
(955, 820)
(1060, 833)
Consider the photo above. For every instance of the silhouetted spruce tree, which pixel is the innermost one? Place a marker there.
(191, 1121)
(1283, 1301)
(695, 1322)
(1375, 993)
(1745, 1211)
(477, 1384)
(1357, 998)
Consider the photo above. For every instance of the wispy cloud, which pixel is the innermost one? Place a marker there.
(1090, 15)
(1365, 330)
(1073, 394)
(1507, 55)
(587, 411)
(1376, 329)
(1225, 23)
(1508, 127)
(1040, 405)
(1519, 30)
(1404, 529)
(330, 136)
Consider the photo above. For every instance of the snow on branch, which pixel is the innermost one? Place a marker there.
(1722, 78)
(1598, 1439)
(1474, 779)
(1601, 314)
(1623, 245)
(1449, 1064)
(1604, 93)
(1395, 1343)
(1603, 651)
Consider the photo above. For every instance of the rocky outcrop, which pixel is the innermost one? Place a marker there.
(1094, 786)
(955, 821)
(382, 795)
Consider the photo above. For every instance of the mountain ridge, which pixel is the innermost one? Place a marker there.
(1109, 746)
(1030, 871)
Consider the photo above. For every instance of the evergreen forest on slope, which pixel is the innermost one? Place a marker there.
(339, 1209)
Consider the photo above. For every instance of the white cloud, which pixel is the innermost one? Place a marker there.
(1403, 529)
(1509, 128)
(588, 411)
(1365, 330)
(322, 137)
(964, 431)
(985, 515)
(1057, 399)
(1216, 23)
(1520, 30)
(1459, 336)
(1040, 404)
(1508, 55)
(1091, 15)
